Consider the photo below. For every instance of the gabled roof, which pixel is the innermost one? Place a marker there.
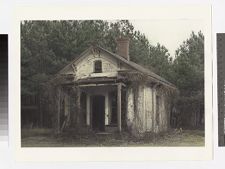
(139, 68)
(127, 62)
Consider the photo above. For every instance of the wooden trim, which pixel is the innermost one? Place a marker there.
(88, 107)
(153, 109)
(119, 87)
(93, 85)
(106, 115)
(78, 107)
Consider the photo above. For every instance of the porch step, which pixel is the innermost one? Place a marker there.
(103, 133)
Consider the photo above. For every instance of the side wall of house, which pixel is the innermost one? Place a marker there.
(130, 108)
(149, 108)
(162, 112)
(135, 104)
(142, 112)
(138, 109)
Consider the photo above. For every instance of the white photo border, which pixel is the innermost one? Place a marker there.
(103, 12)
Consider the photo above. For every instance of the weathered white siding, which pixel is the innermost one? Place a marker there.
(148, 95)
(163, 113)
(130, 107)
(138, 109)
(85, 68)
(163, 120)
(140, 114)
(141, 111)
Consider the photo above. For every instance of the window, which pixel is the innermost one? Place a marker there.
(98, 66)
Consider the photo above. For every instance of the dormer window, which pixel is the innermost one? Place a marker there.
(98, 66)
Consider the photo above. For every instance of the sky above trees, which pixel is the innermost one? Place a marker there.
(169, 33)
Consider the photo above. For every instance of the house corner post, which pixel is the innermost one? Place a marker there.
(78, 93)
(119, 88)
(88, 110)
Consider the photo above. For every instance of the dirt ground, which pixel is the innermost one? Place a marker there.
(46, 138)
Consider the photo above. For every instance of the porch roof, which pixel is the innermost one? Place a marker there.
(97, 80)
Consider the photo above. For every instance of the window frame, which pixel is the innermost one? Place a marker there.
(97, 66)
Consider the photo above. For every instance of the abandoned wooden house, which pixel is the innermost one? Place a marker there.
(105, 91)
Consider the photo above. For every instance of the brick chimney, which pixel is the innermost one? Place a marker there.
(123, 47)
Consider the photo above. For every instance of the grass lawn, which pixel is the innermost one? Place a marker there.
(45, 138)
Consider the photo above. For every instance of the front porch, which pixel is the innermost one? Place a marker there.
(98, 106)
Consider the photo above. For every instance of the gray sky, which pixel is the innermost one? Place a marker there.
(170, 33)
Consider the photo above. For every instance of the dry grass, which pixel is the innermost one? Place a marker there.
(45, 138)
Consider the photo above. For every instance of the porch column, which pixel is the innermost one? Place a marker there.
(88, 110)
(119, 87)
(107, 108)
(78, 107)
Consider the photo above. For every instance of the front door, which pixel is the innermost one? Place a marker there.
(98, 113)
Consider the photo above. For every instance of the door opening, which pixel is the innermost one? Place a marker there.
(98, 113)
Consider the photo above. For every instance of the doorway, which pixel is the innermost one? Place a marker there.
(98, 113)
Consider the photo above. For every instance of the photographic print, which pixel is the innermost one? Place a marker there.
(104, 85)
(221, 85)
(112, 83)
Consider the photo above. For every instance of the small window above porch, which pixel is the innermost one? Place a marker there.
(98, 66)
